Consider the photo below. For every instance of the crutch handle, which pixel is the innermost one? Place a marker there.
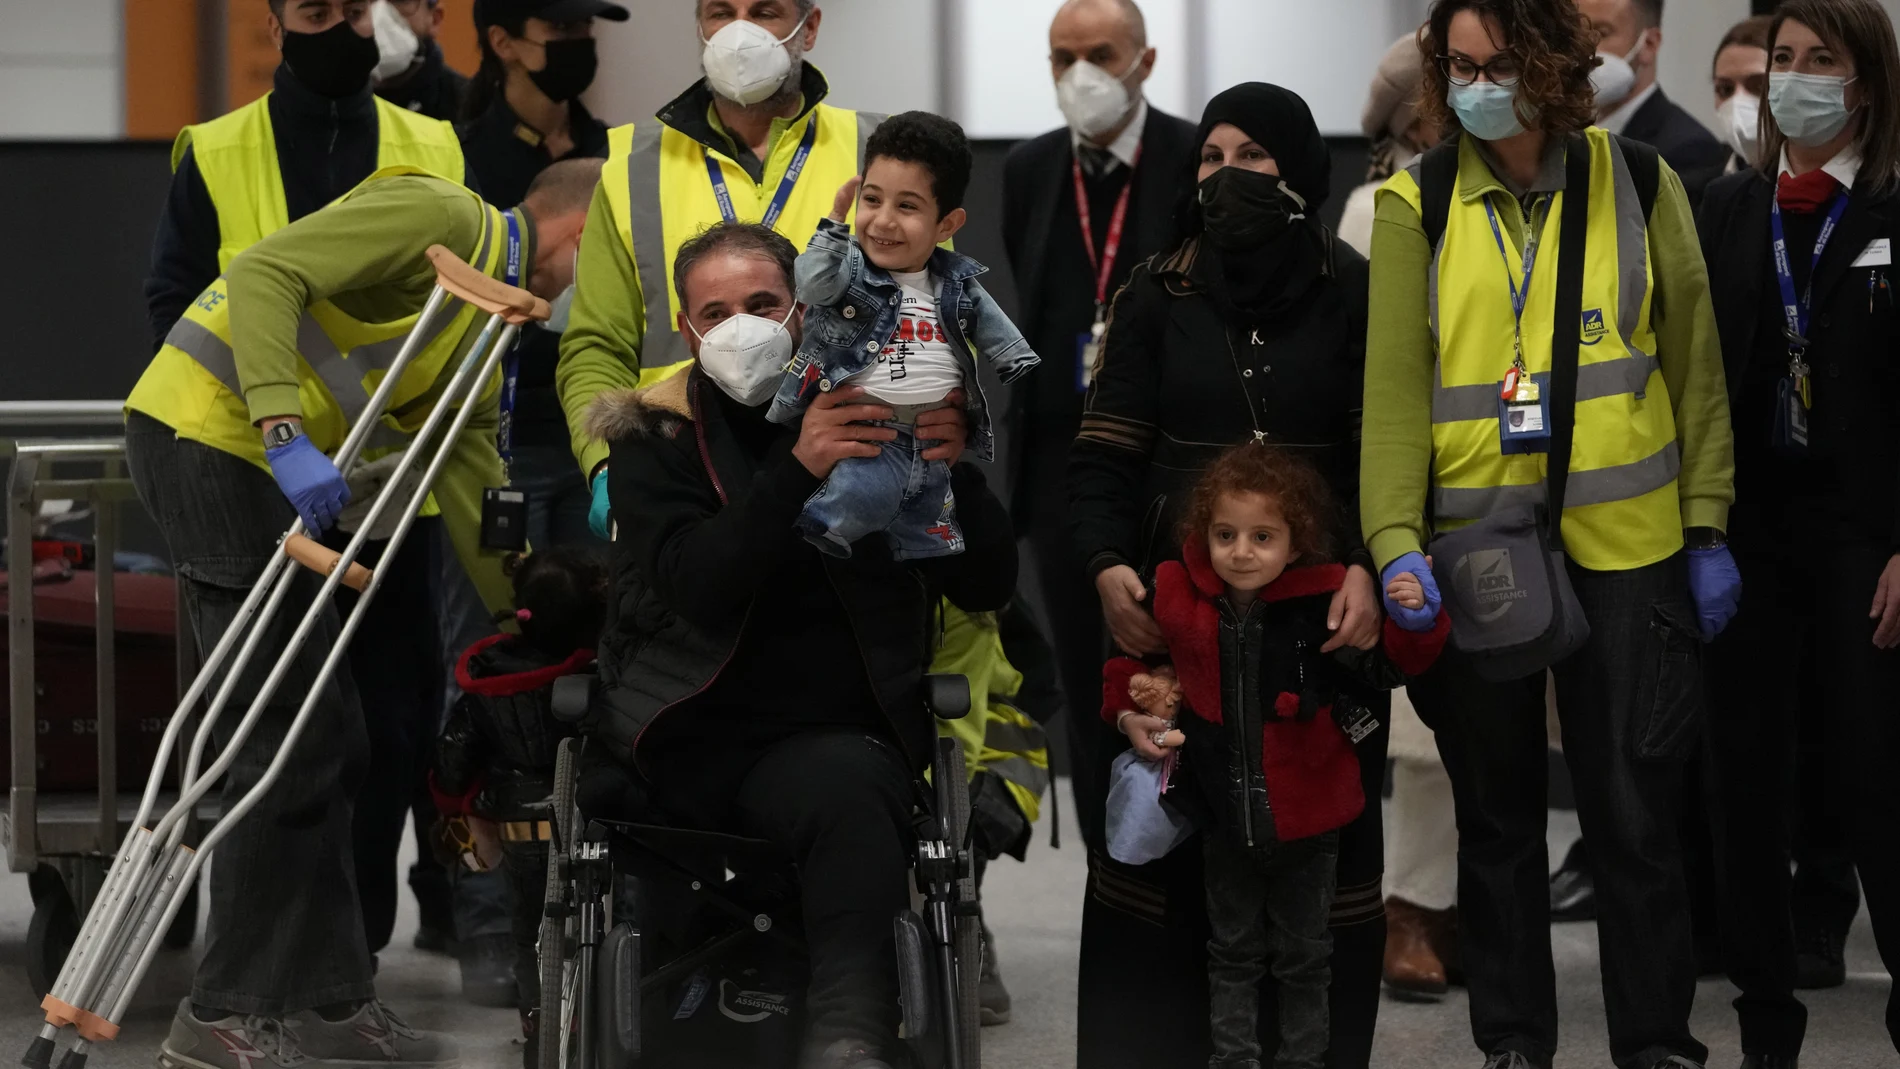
(491, 295)
(322, 560)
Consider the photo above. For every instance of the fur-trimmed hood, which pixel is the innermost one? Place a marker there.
(661, 408)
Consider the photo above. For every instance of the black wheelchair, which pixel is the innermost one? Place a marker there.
(634, 910)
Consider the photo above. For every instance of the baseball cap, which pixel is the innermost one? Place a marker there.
(487, 11)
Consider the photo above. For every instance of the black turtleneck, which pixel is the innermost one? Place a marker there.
(325, 148)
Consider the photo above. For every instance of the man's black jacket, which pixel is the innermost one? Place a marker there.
(433, 88)
(705, 542)
(1691, 150)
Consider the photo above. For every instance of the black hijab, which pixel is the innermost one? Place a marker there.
(1268, 280)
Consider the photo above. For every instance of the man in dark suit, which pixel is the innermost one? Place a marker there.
(1629, 102)
(1132, 164)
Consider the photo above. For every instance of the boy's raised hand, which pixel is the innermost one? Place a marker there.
(847, 196)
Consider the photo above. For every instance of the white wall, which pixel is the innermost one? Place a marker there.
(61, 75)
(1691, 30)
(1324, 51)
(882, 55)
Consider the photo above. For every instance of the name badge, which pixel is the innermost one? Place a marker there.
(1524, 417)
(1088, 353)
(1878, 253)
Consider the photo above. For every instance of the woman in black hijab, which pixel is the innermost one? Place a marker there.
(1252, 328)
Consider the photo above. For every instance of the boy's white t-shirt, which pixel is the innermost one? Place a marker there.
(917, 366)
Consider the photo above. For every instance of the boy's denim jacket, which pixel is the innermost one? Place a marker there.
(852, 310)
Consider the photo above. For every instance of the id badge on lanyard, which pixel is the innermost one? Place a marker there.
(1523, 398)
(1794, 394)
(1088, 347)
(505, 509)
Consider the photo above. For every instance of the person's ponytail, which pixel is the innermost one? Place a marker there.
(485, 88)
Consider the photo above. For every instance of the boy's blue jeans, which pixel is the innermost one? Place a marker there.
(897, 492)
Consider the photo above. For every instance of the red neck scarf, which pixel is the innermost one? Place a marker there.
(1805, 195)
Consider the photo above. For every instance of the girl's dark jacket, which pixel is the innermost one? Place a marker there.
(1266, 746)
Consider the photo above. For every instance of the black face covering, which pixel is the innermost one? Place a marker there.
(335, 63)
(1245, 209)
(570, 69)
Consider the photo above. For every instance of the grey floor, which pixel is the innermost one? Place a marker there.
(1035, 911)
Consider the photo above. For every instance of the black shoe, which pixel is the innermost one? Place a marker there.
(1771, 1061)
(1508, 1059)
(488, 971)
(846, 1054)
(1820, 961)
(1677, 1061)
(432, 940)
(1573, 888)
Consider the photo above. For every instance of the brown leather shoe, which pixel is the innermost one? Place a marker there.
(1413, 970)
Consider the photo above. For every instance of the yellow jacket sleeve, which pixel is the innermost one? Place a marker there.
(601, 349)
(1690, 351)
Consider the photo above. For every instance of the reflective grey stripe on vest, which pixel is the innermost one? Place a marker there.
(1455, 404)
(662, 346)
(1596, 487)
(1014, 738)
(1019, 771)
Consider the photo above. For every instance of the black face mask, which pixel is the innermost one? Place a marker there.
(1243, 209)
(570, 70)
(335, 63)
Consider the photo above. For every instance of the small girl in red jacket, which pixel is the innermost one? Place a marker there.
(1265, 747)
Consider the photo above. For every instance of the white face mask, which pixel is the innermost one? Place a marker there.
(1738, 120)
(396, 43)
(746, 355)
(1616, 76)
(745, 64)
(1092, 99)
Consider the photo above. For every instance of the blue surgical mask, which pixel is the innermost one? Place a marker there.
(1810, 108)
(1487, 110)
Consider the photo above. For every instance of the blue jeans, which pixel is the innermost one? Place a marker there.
(1268, 907)
(897, 492)
(558, 498)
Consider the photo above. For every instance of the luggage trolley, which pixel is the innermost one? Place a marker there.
(64, 838)
(159, 860)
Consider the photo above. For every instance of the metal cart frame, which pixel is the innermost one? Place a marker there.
(65, 841)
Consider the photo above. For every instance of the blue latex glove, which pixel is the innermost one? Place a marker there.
(311, 482)
(1420, 619)
(600, 513)
(1716, 585)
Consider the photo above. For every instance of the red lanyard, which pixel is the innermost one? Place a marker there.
(1112, 244)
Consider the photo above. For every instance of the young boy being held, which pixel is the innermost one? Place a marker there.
(890, 311)
(1267, 742)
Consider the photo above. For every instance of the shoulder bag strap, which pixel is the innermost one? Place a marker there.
(1437, 182)
(1567, 328)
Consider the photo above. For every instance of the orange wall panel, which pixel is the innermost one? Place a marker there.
(250, 58)
(457, 38)
(161, 67)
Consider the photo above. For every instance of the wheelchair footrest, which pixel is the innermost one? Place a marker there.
(914, 987)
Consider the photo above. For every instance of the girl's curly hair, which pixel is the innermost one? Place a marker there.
(1291, 483)
(1553, 44)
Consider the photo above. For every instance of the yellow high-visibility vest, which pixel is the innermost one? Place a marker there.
(192, 384)
(661, 194)
(1621, 507)
(236, 154)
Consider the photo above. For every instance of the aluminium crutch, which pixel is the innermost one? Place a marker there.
(155, 867)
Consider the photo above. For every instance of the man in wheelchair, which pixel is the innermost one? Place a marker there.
(751, 684)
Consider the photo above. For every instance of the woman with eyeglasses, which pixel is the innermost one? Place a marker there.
(1460, 426)
(1800, 252)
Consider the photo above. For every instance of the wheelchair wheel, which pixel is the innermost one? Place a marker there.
(953, 808)
(566, 773)
(552, 948)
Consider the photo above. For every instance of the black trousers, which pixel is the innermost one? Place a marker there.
(839, 803)
(1144, 953)
(1629, 703)
(1806, 594)
(398, 667)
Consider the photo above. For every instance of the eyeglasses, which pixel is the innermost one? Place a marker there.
(1503, 69)
(410, 7)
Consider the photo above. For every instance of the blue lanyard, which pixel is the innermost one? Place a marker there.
(511, 364)
(1520, 293)
(785, 186)
(1798, 310)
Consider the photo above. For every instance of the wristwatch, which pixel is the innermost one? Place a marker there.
(1704, 538)
(282, 434)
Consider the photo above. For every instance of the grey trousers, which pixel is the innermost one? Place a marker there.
(1269, 906)
(286, 932)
